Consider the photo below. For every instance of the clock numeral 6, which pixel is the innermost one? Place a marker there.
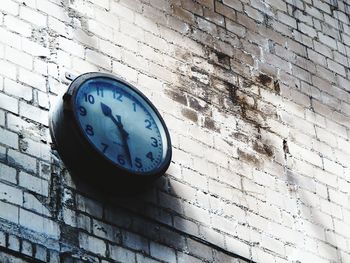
(154, 142)
(138, 163)
(89, 98)
(82, 111)
(121, 159)
(89, 130)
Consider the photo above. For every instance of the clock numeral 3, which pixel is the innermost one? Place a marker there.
(150, 156)
(121, 159)
(89, 98)
(148, 124)
(82, 111)
(154, 142)
(89, 130)
(138, 163)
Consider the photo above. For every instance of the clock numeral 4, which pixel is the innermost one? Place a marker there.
(89, 130)
(149, 155)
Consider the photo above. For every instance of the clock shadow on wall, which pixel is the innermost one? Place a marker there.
(109, 135)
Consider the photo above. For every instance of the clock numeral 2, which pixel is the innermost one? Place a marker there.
(148, 124)
(89, 98)
(89, 130)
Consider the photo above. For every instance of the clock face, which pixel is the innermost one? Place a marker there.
(121, 124)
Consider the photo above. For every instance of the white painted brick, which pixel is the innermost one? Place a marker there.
(100, 29)
(105, 231)
(8, 173)
(8, 69)
(11, 194)
(92, 244)
(52, 10)
(34, 113)
(30, 202)
(9, 7)
(8, 138)
(16, 25)
(32, 183)
(98, 59)
(38, 223)
(71, 47)
(18, 90)
(22, 160)
(122, 254)
(9, 212)
(8, 103)
(40, 66)
(32, 16)
(33, 48)
(162, 252)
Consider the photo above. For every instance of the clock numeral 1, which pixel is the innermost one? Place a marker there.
(148, 124)
(121, 159)
(117, 96)
(104, 147)
(154, 142)
(82, 111)
(134, 106)
(89, 98)
(150, 156)
(138, 163)
(89, 130)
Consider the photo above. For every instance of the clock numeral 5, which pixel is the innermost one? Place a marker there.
(138, 163)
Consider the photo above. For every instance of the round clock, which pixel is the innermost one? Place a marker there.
(107, 131)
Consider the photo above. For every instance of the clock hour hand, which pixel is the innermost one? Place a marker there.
(107, 111)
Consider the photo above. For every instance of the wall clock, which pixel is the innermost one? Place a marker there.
(107, 131)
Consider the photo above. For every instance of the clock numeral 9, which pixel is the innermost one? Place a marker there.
(89, 130)
(89, 98)
(150, 156)
(148, 124)
(82, 111)
(121, 159)
(138, 163)
(154, 142)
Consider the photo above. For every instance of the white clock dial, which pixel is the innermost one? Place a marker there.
(120, 124)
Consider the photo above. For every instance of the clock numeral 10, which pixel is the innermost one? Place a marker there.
(89, 98)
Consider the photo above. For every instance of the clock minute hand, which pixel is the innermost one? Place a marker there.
(107, 111)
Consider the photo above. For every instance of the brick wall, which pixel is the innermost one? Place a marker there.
(256, 97)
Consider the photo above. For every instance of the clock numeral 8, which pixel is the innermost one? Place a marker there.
(89, 130)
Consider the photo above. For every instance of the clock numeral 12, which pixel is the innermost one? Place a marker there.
(117, 96)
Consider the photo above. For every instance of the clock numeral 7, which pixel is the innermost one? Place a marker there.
(105, 146)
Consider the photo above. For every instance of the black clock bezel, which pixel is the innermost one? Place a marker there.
(78, 138)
